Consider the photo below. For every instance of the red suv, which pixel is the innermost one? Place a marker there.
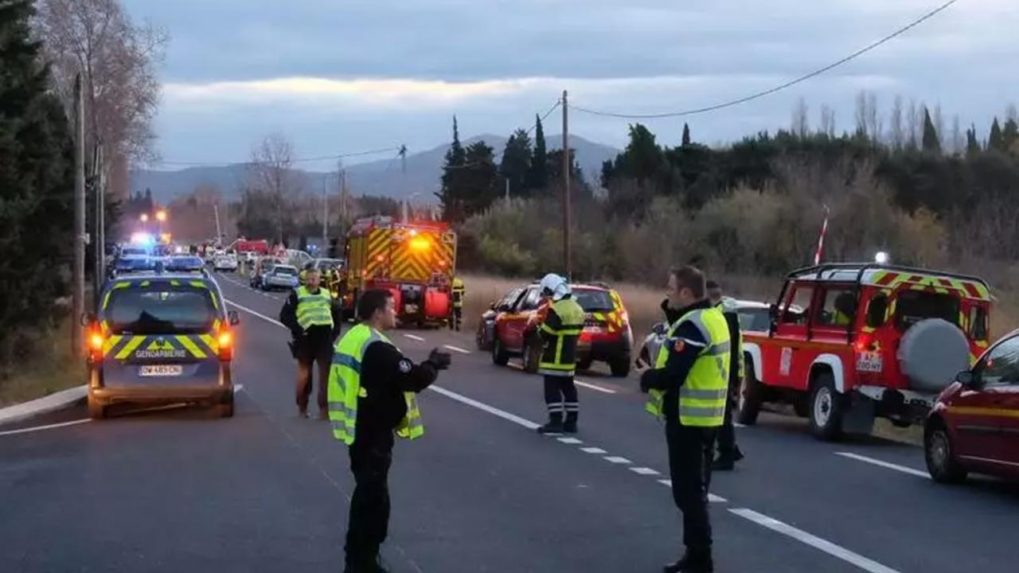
(510, 328)
(873, 341)
(975, 424)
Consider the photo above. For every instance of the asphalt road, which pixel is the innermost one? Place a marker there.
(177, 490)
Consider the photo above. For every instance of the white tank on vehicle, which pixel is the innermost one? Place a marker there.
(931, 353)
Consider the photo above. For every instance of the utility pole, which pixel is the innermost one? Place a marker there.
(403, 159)
(219, 231)
(567, 261)
(341, 175)
(325, 211)
(507, 189)
(97, 184)
(78, 270)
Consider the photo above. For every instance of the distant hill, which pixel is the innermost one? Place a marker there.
(382, 177)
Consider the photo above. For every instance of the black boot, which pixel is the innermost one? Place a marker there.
(692, 562)
(554, 425)
(570, 427)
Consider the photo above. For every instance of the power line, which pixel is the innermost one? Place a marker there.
(544, 117)
(297, 160)
(778, 88)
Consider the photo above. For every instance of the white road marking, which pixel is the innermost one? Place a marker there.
(813, 541)
(593, 450)
(47, 427)
(884, 464)
(617, 460)
(644, 471)
(414, 337)
(571, 441)
(486, 408)
(738, 425)
(238, 388)
(712, 498)
(457, 349)
(258, 314)
(594, 387)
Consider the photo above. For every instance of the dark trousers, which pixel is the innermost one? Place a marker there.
(313, 350)
(368, 524)
(727, 433)
(690, 453)
(458, 313)
(560, 396)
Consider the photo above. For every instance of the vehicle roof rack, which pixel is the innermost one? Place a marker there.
(862, 268)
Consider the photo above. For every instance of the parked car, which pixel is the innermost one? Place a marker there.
(753, 317)
(280, 277)
(262, 267)
(874, 341)
(184, 263)
(974, 426)
(510, 328)
(226, 262)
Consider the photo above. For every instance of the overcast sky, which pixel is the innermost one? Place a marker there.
(342, 76)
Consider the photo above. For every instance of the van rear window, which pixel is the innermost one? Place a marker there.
(160, 311)
(912, 306)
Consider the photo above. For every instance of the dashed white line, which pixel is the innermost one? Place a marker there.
(594, 387)
(46, 427)
(457, 349)
(486, 408)
(571, 441)
(414, 337)
(884, 464)
(644, 471)
(738, 425)
(712, 498)
(617, 460)
(593, 451)
(813, 541)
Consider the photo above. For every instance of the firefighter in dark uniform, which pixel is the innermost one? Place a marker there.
(728, 451)
(688, 387)
(314, 323)
(459, 292)
(372, 389)
(560, 332)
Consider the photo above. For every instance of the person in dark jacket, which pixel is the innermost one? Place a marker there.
(314, 323)
(377, 391)
(728, 451)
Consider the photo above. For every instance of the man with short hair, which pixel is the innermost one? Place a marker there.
(728, 451)
(688, 386)
(314, 323)
(372, 396)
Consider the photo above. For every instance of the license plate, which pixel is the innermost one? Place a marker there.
(410, 308)
(870, 362)
(162, 370)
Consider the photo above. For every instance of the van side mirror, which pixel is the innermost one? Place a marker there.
(659, 328)
(233, 318)
(966, 378)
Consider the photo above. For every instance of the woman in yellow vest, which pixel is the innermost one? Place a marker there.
(372, 388)
(688, 387)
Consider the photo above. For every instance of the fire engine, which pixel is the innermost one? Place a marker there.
(414, 260)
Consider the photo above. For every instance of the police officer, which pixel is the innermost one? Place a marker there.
(314, 323)
(458, 303)
(372, 389)
(688, 386)
(728, 451)
(560, 332)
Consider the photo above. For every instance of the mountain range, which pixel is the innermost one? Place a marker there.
(417, 176)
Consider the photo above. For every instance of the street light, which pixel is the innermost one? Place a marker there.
(144, 218)
(161, 215)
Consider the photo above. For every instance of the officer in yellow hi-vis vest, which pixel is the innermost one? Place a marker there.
(458, 292)
(314, 323)
(372, 389)
(688, 387)
(560, 332)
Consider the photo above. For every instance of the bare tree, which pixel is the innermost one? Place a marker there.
(939, 125)
(896, 127)
(271, 172)
(800, 123)
(957, 139)
(1011, 113)
(827, 121)
(914, 119)
(874, 127)
(861, 114)
(117, 61)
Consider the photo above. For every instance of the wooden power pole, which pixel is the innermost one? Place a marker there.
(567, 260)
(78, 270)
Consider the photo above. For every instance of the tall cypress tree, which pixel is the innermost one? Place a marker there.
(972, 144)
(516, 162)
(1010, 135)
(686, 134)
(452, 195)
(36, 181)
(931, 141)
(996, 139)
(538, 178)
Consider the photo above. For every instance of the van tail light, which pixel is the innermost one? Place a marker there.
(865, 344)
(96, 342)
(225, 343)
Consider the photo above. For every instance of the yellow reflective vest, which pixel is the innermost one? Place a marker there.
(345, 388)
(702, 397)
(561, 334)
(314, 309)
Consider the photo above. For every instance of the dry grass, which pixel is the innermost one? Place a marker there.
(53, 368)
